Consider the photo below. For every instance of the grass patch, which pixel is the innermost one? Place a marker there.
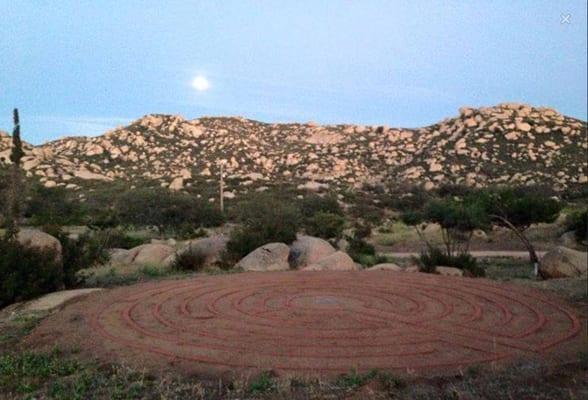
(57, 375)
(506, 269)
(152, 271)
(12, 330)
(392, 233)
(354, 379)
(264, 383)
(25, 372)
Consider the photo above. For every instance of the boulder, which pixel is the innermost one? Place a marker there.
(269, 257)
(169, 242)
(448, 271)
(149, 254)
(338, 261)
(307, 250)
(177, 184)
(39, 240)
(211, 247)
(412, 268)
(562, 262)
(386, 267)
(55, 300)
(118, 256)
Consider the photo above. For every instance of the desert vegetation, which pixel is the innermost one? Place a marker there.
(109, 233)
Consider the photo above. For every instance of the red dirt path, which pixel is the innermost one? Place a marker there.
(317, 322)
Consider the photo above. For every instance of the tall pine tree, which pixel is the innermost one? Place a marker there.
(15, 189)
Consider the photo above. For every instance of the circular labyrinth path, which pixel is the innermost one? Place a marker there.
(322, 322)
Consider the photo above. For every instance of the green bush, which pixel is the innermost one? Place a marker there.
(27, 272)
(264, 220)
(241, 242)
(189, 260)
(189, 231)
(116, 238)
(577, 222)
(52, 206)
(264, 383)
(88, 250)
(358, 247)
(166, 210)
(313, 204)
(325, 225)
(434, 257)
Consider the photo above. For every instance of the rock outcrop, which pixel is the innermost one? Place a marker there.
(40, 240)
(269, 257)
(306, 250)
(562, 262)
(338, 261)
(149, 254)
(212, 248)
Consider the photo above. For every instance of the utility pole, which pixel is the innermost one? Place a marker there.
(222, 189)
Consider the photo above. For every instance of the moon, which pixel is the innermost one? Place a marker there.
(200, 83)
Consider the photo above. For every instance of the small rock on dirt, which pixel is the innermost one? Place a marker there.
(386, 267)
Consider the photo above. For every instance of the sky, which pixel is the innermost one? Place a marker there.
(82, 67)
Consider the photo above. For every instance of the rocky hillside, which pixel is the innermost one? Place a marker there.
(508, 143)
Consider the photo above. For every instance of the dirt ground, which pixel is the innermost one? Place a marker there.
(318, 323)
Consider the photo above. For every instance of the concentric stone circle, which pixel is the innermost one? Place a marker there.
(328, 322)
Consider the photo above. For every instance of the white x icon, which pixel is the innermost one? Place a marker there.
(566, 19)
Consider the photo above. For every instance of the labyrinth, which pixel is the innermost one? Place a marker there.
(322, 322)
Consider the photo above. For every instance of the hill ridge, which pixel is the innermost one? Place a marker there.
(507, 143)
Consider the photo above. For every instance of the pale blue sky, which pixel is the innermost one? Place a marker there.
(82, 67)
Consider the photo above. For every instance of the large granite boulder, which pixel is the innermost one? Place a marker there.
(211, 247)
(149, 254)
(562, 262)
(39, 240)
(307, 250)
(269, 257)
(118, 256)
(338, 261)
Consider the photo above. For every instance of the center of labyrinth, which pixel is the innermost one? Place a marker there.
(331, 322)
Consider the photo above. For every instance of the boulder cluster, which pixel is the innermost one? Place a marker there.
(507, 143)
(306, 253)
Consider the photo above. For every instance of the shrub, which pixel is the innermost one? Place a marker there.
(242, 241)
(52, 206)
(189, 260)
(81, 253)
(325, 225)
(117, 238)
(517, 209)
(358, 247)
(434, 257)
(457, 218)
(577, 222)
(165, 210)
(27, 272)
(188, 231)
(265, 219)
(313, 204)
(263, 384)
(407, 197)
